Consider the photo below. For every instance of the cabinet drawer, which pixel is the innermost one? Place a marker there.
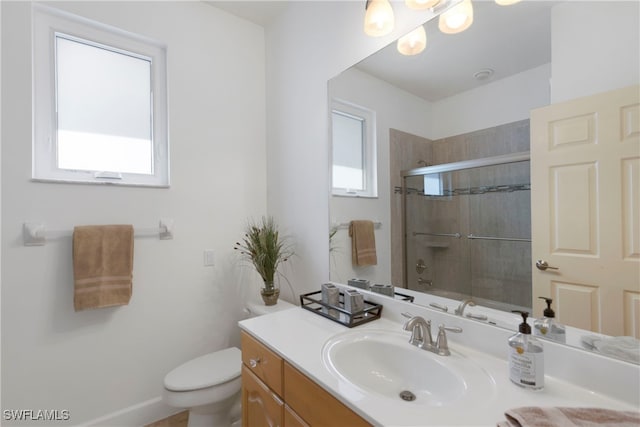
(314, 405)
(263, 362)
(260, 406)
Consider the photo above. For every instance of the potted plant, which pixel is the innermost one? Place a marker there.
(263, 245)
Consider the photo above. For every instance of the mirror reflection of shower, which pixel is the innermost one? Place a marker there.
(468, 230)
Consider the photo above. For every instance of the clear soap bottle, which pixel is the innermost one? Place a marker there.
(547, 327)
(526, 357)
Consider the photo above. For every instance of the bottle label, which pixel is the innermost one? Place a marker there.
(526, 369)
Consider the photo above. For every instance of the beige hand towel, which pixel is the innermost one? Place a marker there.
(102, 265)
(532, 416)
(363, 243)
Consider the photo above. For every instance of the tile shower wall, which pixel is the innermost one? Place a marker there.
(458, 267)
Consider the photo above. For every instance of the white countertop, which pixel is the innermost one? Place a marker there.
(299, 336)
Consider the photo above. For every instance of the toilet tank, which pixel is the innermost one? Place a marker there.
(255, 309)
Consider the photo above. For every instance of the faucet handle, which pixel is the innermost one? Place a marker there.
(442, 346)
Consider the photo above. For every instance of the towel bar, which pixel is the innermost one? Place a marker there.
(35, 233)
(343, 225)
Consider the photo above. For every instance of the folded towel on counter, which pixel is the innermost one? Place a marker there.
(532, 416)
(102, 265)
(625, 348)
(363, 243)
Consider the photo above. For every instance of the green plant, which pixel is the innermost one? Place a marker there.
(263, 245)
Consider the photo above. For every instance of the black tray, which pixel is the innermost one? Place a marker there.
(313, 302)
(404, 297)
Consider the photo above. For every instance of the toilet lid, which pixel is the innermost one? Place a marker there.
(205, 371)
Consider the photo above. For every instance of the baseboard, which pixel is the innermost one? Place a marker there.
(136, 415)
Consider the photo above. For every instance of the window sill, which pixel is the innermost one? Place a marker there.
(120, 184)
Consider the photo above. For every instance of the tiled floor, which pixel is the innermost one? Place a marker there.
(178, 420)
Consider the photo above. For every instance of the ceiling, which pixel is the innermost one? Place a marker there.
(260, 12)
(506, 39)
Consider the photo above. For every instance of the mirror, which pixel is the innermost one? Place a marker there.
(470, 86)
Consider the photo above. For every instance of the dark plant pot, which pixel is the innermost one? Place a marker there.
(270, 297)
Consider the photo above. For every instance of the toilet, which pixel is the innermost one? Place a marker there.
(209, 386)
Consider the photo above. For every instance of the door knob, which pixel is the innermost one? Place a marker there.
(422, 281)
(543, 265)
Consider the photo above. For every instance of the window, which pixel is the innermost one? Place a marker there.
(433, 185)
(354, 156)
(100, 113)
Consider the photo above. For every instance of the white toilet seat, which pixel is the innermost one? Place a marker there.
(202, 397)
(205, 371)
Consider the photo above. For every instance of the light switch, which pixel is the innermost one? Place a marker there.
(209, 258)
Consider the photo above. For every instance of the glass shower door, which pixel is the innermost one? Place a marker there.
(468, 234)
(436, 254)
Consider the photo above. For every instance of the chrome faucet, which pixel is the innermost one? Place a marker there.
(460, 310)
(420, 331)
(421, 335)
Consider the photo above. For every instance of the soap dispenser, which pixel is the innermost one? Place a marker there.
(547, 327)
(526, 358)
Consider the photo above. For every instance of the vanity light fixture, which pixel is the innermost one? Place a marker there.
(378, 19)
(456, 19)
(413, 43)
(506, 2)
(422, 4)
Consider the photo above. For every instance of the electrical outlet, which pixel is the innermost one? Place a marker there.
(209, 258)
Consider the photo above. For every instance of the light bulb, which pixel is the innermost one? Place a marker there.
(421, 4)
(378, 20)
(456, 19)
(413, 43)
(506, 2)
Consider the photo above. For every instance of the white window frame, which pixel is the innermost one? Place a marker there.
(369, 160)
(47, 22)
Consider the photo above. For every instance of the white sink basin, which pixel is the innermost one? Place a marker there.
(383, 362)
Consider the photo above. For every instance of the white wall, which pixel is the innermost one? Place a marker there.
(395, 109)
(0, 200)
(98, 362)
(309, 44)
(504, 101)
(595, 47)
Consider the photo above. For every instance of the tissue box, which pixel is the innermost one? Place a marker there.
(388, 290)
(353, 301)
(330, 296)
(359, 283)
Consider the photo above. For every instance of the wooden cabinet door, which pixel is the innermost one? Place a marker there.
(291, 419)
(314, 404)
(260, 406)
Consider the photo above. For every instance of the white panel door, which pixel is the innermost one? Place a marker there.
(585, 209)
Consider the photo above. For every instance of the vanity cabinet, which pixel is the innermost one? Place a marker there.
(274, 393)
(260, 406)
